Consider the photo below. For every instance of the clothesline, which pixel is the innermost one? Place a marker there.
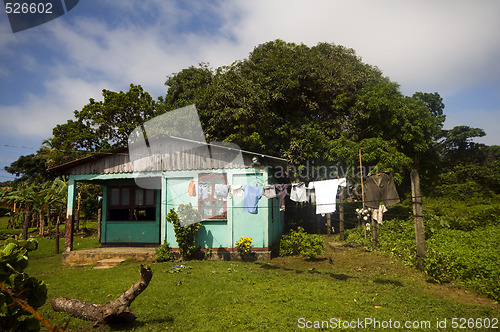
(379, 187)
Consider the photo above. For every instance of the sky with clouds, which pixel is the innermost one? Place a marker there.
(46, 72)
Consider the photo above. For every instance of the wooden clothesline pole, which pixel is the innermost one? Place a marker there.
(361, 173)
(362, 189)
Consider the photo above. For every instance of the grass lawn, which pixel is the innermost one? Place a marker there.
(282, 294)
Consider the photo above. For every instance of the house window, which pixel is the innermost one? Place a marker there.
(131, 204)
(210, 205)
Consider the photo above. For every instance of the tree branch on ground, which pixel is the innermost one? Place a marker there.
(116, 311)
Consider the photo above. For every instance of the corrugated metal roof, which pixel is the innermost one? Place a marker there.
(166, 154)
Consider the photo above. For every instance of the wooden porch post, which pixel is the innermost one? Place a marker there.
(163, 210)
(68, 242)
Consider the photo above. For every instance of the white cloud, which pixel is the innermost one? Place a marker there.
(424, 45)
(36, 116)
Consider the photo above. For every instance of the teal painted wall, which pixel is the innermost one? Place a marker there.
(265, 227)
(247, 224)
(130, 231)
(177, 193)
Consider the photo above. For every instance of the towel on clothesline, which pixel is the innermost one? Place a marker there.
(326, 194)
(298, 192)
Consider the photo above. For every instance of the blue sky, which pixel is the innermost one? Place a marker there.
(449, 46)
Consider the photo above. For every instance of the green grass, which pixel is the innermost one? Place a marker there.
(7, 231)
(261, 296)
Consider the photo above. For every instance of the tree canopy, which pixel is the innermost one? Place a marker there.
(100, 125)
(305, 103)
(311, 105)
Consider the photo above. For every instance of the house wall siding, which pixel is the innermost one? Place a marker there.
(265, 227)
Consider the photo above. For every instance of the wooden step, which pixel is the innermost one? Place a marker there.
(108, 263)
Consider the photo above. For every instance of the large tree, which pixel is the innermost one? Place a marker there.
(316, 104)
(100, 125)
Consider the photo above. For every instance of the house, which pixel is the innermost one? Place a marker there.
(140, 190)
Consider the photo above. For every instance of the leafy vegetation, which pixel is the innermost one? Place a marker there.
(185, 235)
(461, 240)
(19, 285)
(34, 202)
(301, 243)
(163, 253)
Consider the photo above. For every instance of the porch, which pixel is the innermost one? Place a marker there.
(96, 256)
(91, 256)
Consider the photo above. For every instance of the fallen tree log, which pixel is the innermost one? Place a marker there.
(116, 311)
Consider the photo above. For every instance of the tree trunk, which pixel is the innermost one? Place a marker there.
(112, 312)
(57, 236)
(41, 225)
(11, 220)
(26, 224)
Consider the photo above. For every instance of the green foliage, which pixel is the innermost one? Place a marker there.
(31, 168)
(300, 243)
(468, 180)
(99, 125)
(163, 253)
(185, 236)
(461, 242)
(13, 262)
(297, 102)
(208, 253)
(244, 245)
(355, 237)
(470, 257)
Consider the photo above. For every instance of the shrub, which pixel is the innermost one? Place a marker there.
(244, 245)
(13, 261)
(163, 253)
(185, 235)
(468, 257)
(300, 243)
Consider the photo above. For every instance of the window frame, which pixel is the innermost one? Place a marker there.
(212, 199)
(132, 206)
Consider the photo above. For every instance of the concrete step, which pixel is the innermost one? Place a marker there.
(108, 263)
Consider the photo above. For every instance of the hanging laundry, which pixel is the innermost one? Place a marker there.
(380, 188)
(192, 188)
(221, 190)
(235, 190)
(298, 192)
(326, 194)
(378, 214)
(269, 191)
(203, 190)
(251, 199)
(311, 193)
(281, 192)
